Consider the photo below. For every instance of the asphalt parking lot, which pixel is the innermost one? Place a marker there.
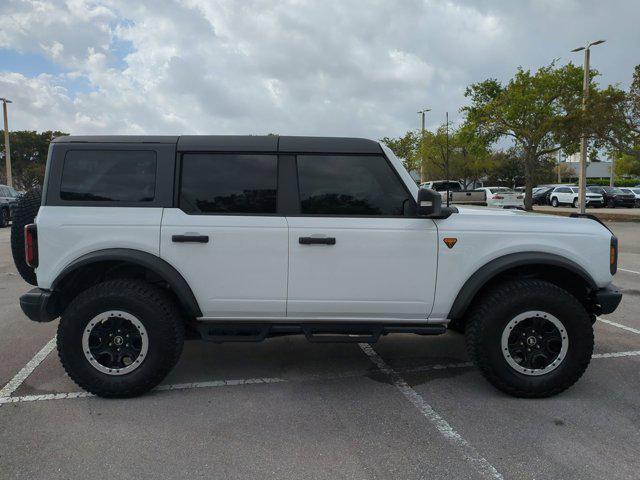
(407, 407)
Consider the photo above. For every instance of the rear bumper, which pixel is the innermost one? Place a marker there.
(39, 305)
(608, 298)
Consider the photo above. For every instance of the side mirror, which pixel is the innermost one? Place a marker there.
(429, 203)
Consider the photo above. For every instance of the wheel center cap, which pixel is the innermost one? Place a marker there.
(118, 340)
(531, 341)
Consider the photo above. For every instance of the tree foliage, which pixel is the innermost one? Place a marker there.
(28, 156)
(613, 121)
(540, 112)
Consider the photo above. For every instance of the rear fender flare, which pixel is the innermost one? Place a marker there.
(146, 260)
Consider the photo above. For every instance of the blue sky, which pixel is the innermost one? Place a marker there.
(336, 67)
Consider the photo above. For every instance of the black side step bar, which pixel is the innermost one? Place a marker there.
(314, 332)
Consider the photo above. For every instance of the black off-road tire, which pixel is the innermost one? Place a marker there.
(456, 325)
(24, 213)
(491, 314)
(152, 307)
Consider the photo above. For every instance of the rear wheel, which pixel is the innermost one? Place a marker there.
(575, 203)
(120, 338)
(24, 213)
(530, 338)
(554, 202)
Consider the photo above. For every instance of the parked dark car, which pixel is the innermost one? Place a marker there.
(614, 197)
(8, 198)
(541, 195)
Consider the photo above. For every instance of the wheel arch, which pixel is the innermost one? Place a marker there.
(556, 269)
(101, 265)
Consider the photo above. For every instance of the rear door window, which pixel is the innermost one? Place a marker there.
(229, 184)
(350, 185)
(109, 176)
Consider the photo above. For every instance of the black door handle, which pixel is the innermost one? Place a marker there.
(190, 238)
(317, 240)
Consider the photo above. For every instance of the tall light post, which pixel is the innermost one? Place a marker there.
(422, 152)
(582, 182)
(7, 148)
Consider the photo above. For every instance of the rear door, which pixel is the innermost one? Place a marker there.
(564, 194)
(356, 252)
(225, 236)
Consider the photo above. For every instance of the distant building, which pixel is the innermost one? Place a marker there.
(594, 169)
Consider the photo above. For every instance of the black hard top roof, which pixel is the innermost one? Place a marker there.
(240, 143)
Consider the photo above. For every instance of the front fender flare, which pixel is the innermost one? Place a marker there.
(501, 264)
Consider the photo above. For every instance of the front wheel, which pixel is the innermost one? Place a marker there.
(554, 202)
(575, 203)
(120, 338)
(530, 338)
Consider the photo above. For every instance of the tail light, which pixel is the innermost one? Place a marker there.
(497, 197)
(31, 245)
(613, 255)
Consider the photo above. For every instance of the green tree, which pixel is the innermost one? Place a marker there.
(406, 148)
(613, 120)
(540, 112)
(28, 156)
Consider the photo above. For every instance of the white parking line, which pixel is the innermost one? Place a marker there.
(619, 325)
(468, 451)
(633, 353)
(268, 380)
(21, 376)
(629, 271)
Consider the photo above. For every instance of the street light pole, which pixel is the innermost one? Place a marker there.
(7, 147)
(582, 179)
(422, 152)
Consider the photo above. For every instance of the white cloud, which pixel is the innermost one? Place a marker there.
(292, 66)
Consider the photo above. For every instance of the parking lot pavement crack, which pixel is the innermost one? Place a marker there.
(468, 451)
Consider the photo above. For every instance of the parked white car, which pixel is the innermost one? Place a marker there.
(502, 197)
(635, 192)
(569, 196)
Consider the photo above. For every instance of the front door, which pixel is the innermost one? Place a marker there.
(225, 237)
(355, 251)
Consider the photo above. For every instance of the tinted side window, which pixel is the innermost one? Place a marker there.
(350, 185)
(4, 192)
(109, 175)
(228, 183)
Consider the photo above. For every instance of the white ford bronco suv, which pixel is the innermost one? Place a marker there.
(140, 242)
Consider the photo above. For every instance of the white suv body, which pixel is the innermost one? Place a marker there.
(280, 235)
(567, 195)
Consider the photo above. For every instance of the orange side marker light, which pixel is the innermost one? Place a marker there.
(450, 241)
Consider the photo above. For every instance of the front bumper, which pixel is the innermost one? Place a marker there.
(608, 298)
(39, 305)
